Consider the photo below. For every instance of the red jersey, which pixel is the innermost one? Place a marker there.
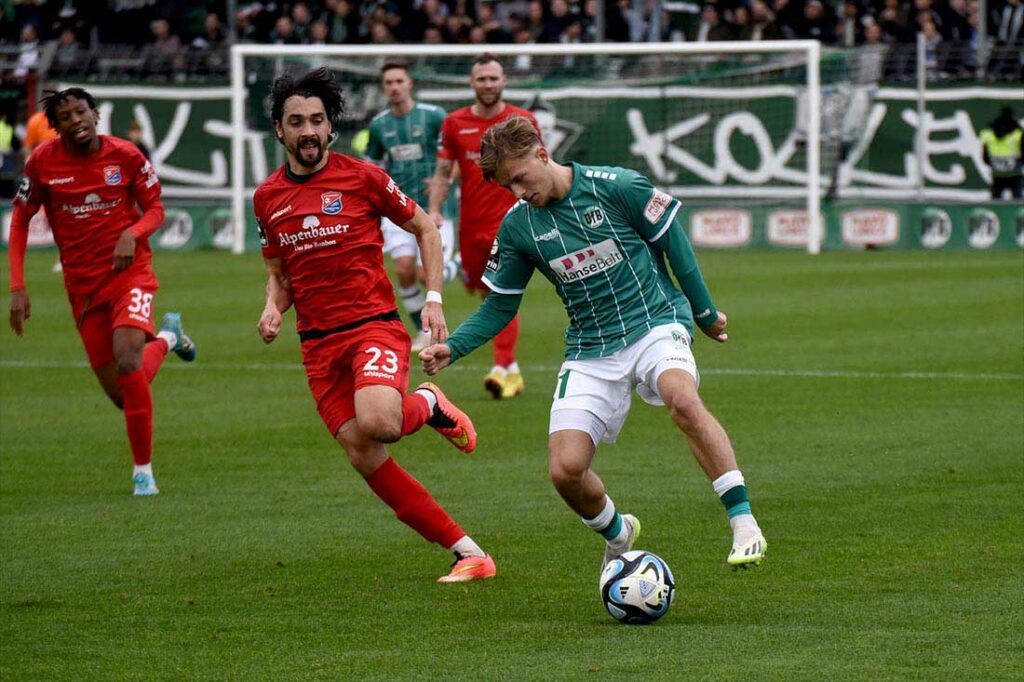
(326, 229)
(484, 204)
(90, 200)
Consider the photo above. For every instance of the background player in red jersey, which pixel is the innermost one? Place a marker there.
(319, 217)
(483, 204)
(92, 187)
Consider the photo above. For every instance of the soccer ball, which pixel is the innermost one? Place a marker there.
(637, 588)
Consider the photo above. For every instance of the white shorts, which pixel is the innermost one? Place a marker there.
(401, 244)
(594, 395)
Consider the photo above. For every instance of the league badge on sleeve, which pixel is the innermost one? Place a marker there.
(112, 175)
(330, 203)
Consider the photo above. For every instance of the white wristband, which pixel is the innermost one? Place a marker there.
(433, 297)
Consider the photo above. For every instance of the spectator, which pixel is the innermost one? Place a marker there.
(493, 30)
(284, 32)
(711, 27)
(345, 22)
(69, 52)
(432, 36)
(302, 19)
(1001, 151)
(28, 58)
(895, 22)
(763, 24)
(1008, 22)
(557, 23)
(212, 37)
(319, 34)
(932, 40)
(850, 29)
(164, 43)
(380, 34)
(818, 25)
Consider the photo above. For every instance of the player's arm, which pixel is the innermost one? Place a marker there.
(146, 187)
(26, 204)
(653, 215)
(507, 273)
(490, 318)
(429, 240)
(279, 300)
(440, 185)
(683, 262)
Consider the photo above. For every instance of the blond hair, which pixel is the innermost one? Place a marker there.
(513, 138)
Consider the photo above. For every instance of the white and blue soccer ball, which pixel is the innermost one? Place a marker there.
(637, 588)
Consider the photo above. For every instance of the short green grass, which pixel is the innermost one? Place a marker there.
(876, 402)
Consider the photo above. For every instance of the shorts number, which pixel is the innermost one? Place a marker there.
(142, 303)
(390, 365)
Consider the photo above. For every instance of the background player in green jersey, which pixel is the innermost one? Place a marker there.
(403, 139)
(602, 235)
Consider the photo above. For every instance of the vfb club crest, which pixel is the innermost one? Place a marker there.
(112, 175)
(593, 216)
(330, 203)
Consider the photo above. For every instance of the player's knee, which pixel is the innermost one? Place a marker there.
(128, 362)
(687, 409)
(380, 427)
(565, 472)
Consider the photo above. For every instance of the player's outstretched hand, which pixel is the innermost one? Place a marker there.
(717, 330)
(435, 358)
(21, 310)
(124, 250)
(433, 322)
(270, 324)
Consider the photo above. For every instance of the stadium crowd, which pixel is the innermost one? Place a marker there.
(169, 27)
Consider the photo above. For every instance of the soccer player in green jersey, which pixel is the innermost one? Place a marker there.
(601, 236)
(403, 140)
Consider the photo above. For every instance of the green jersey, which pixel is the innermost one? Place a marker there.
(603, 246)
(407, 147)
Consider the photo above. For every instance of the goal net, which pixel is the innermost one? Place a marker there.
(740, 132)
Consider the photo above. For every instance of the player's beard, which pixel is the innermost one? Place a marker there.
(301, 151)
(488, 99)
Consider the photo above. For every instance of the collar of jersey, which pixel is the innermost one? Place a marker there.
(302, 179)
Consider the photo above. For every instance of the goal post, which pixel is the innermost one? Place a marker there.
(680, 86)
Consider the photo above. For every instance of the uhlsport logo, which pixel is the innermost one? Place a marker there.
(589, 261)
(112, 175)
(593, 216)
(330, 203)
(936, 228)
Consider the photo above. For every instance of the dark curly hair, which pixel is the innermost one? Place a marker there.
(54, 98)
(318, 83)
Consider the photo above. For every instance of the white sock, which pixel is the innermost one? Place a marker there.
(499, 370)
(143, 469)
(466, 547)
(744, 527)
(727, 481)
(430, 398)
(170, 337)
(602, 520)
(513, 368)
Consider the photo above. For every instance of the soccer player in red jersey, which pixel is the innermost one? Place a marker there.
(319, 218)
(92, 187)
(483, 204)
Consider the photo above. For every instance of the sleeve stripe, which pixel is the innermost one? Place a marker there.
(668, 222)
(498, 290)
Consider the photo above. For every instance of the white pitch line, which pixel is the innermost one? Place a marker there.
(720, 371)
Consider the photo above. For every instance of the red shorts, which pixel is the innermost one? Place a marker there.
(125, 304)
(474, 259)
(338, 365)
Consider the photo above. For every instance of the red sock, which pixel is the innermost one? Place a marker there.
(505, 344)
(138, 414)
(415, 413)
(153, 358)
(413, 505)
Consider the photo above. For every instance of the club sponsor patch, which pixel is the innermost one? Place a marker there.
(492, 259)
(406, 152)
(656, 206)
(589, 261)
(112, 175)
(330, 203)
(24, 190)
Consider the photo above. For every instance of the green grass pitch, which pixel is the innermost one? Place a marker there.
(875, 400)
